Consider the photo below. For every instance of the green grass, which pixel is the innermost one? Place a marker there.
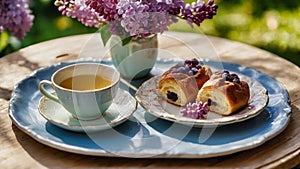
(270, 25)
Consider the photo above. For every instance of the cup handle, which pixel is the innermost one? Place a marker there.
(45, 92)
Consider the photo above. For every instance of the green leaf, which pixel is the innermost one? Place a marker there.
(126, 40)
(105, 34)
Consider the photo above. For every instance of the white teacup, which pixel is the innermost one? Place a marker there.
(86, 90)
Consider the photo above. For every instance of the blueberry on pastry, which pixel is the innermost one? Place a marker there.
(180, 84)
(226, 92)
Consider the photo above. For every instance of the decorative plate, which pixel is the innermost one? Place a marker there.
(144, 135)
(121, 109)
(147, 95)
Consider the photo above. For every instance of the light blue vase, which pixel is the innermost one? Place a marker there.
(135, 59)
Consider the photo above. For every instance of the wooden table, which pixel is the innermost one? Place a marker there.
(18, 150)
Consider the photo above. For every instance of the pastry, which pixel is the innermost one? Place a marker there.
(225, 93)
(181, 83)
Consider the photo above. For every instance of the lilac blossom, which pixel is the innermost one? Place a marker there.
(107, 9)
(198, 12)
(137, 18)
(139, 22)
(78, 9)
(15, 16)
(196, 110)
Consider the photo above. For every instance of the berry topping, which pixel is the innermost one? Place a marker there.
(190, 73)
(195, 110)
(189, 67)
(187, 62)
(194, 61)
(172, 96)
(198, 66)
(230, 77)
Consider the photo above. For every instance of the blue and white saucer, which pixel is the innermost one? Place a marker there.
(123, 106)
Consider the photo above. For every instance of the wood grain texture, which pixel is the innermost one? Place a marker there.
(18, 150)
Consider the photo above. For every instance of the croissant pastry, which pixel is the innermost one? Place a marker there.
(180, 84)
(225, 92)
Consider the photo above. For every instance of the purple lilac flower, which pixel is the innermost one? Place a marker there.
(106, 9)
(171, 6)
(15, 16)
(198, 12)
(78, 9)
(137, 18)
(134, 16)
(196, 110)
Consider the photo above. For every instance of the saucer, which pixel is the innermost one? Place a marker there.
(123, 106)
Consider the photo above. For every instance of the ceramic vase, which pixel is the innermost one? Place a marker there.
(135, 59)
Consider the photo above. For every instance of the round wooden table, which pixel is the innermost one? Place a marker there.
(18, 150)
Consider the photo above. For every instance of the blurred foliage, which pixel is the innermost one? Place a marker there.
(48, 24)
(272, 25)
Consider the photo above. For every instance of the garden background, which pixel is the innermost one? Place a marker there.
(273, 25)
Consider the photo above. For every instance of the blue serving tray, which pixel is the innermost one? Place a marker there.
(144, 135)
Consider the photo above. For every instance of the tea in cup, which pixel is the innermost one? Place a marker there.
(86, 90)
